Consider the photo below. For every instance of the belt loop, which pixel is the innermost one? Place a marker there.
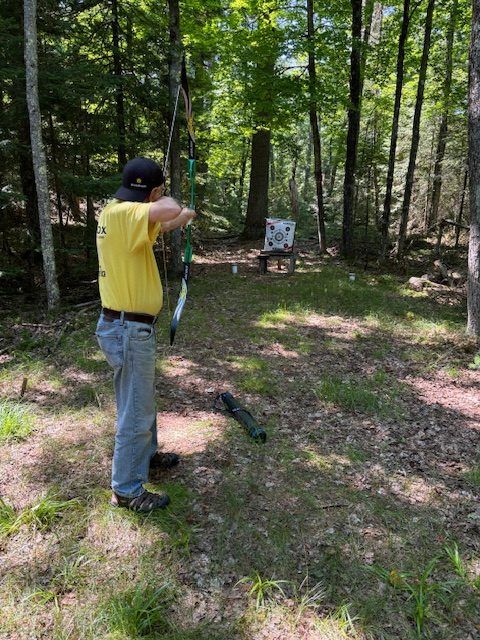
(122, 313)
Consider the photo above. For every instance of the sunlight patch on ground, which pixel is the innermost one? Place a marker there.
(278, 350)
(412, 488)
(327, 462)
(188, 434)
(277, 319)
(283, 620)
(473, 568)
(462, 398)
(176, 366)
(113, 534)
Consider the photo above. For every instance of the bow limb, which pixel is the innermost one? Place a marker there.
(187, 257)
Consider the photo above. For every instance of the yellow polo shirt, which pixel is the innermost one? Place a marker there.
(128, 275)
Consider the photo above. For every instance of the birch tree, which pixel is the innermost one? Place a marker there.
(38, 153)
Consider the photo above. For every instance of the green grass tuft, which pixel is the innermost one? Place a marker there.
(262, 588)
(43, 514)
(256, 375)
(473, 476)
(8, 519)
(138, 613)
(16, 422)
(374, 396)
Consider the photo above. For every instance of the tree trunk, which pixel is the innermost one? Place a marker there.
(353, 129)
(315, 129)
(308, 165)
(90, 233)
(257, 207)
(415, 132)
(473, 296)
(119, 97)
(376, 188)
(243, 170)
(442, 134)
(426, 212)
(460, 209)
(38, 153)
(387, 205)
(273, 173)
(293, 191)
(174, 72)
(27, 179)
(55, 162)
(22, 128)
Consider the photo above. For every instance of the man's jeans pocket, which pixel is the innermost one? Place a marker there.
(111, 343)
(141, 333)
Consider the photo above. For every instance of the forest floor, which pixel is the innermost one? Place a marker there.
(358, 518)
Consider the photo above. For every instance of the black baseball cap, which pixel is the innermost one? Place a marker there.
(139, 177)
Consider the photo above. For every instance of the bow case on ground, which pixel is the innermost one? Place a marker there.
(242, 416)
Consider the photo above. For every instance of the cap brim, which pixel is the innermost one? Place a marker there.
(132, 195)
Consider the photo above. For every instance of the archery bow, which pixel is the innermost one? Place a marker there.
(187, 256)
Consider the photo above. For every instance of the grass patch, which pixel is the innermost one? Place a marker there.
(256, 375)
(139, 612)
(40, 516)
(356, 455)
(373, 396)
(16, 421)
(8, 519)
(473, 476)
(262, 588)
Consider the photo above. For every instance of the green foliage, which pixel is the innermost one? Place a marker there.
(256, 375)
(455, 558)
(429, 589)
(46, 511)
(476, 362)
(139, 612)
(375, 395)
(420, 589)
(16, 421)
(262, 588)
(40, 516)
(473, 475)
(8, 519)
(343, 616)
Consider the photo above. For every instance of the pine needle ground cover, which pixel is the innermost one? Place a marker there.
(358, 519)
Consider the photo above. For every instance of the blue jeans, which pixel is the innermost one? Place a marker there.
(129, 348)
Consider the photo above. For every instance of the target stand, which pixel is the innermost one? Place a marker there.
(279, 241)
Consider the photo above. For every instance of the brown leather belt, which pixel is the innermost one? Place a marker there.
(110, 315)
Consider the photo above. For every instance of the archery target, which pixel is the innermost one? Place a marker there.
(279, 235)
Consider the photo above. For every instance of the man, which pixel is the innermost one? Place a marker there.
(132, 296)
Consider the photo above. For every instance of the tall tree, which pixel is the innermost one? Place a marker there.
(353, 129)
(173, 162)
(473, 300)
(38, 153)
(387, 205)
(119, 94)
(257, 207)
(315, 128)
(264, 35)
(402, 235)
(443, 130)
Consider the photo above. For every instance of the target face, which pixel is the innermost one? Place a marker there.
(279, 235)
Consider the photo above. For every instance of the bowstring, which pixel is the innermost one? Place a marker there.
(165, 169)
